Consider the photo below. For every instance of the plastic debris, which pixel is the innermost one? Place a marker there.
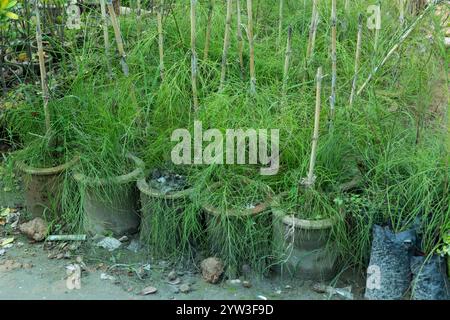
(430, 280)
(343, 292)
(109, 243)
(73, 280)
(68, 237)
(105, 276)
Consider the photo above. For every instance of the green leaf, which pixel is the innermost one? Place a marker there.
(12, 15)
(11, 4)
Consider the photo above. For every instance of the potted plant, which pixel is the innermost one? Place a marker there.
(238, 221)
(165, 204)
(44, 161)
(304, 220)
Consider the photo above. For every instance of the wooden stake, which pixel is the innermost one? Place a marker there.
(194, 55)
(251, 45)
(357, 57)
(208, 30)
(286, 63)
(106, 37)
(161, 39)
(118, 37)
(333, 61)
(240, 38)
(44, 84)
(280, 24)
(226, 44)
(310, 179)
(312, 35)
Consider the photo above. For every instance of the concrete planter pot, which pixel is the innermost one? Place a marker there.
(258, 215)
(43, 187)
(117, 213)
(169, 203)
(304, 248)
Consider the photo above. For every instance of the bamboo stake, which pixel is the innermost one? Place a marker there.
(286, 63)
(106, 37)
(161, 39)
(251, 46)
(226, 44)
(312, 35)
(311, 178)
(118, 37)
(139, 8)
(44, 84)
(347, 6)
(208, 30)
(396, 46)
(194, 55)
(333, 61)
(280, 24)
(377, 30)
(240, 38)
(357, 57)
(401, 8)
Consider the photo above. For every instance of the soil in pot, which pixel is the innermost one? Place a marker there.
(165, 209)
(303, 248)
(110, 205)
(43, 188)
(238, 226)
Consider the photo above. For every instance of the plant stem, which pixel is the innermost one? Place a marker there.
(240, 38)
(44, 84)
(333, 61)
(106, 37)
(251, 46)
(377, 30)
(401, 8)
(208, 30)
(286, 63)
(161, 39)
(226, 44)
(194, 55)
(357, 57)
(396, 46)
(280, 24)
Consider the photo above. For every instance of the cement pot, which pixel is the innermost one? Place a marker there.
(251, 223)
(12, 74)
(43, 187)
(165, 209)
(15, 58)
(304, 248)
(116, 213)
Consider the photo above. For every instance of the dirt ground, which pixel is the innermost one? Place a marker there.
(38, 271)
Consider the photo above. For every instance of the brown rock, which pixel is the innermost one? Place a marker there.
(212, 269)
(35, 229)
